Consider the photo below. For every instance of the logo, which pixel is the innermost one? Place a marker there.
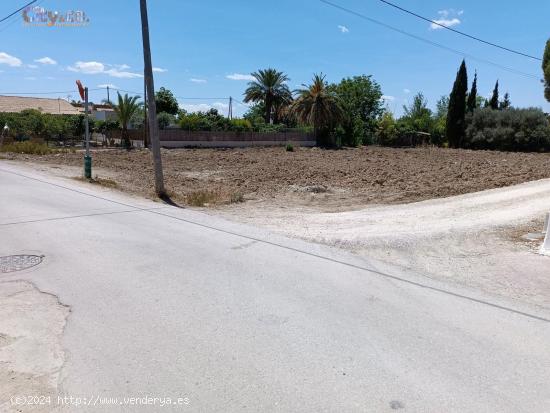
(40, 17)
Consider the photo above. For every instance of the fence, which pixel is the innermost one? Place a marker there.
(179, 138)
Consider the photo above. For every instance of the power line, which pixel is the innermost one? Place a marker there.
(39, 93)
(458, 31)
(17, 11)
(422, 39)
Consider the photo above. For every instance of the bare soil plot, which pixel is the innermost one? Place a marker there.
(327, 180)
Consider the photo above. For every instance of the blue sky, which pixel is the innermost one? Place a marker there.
(206, 49)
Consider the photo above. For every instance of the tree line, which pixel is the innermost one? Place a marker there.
(348, 113)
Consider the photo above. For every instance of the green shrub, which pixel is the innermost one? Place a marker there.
(289, 147)
(165, 119)
(508, 130)
(240, 125)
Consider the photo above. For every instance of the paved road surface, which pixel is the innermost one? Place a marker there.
(171, 302)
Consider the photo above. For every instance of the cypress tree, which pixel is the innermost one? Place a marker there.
(472, 97)
(546, 70)
(456, 124)
(493, 103)
(506, 104)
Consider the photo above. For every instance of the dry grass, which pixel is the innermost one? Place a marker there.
(107, 183)
(206, 198)
(28, 147)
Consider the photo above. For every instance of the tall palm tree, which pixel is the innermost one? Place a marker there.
(281, 104)
(126, 108)
(317, 106)
(268, 87)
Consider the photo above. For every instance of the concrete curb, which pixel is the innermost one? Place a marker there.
(545, 249)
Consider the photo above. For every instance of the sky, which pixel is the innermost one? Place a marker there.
(204, 51)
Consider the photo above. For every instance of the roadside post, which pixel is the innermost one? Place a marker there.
(5, 133)
(87, 157)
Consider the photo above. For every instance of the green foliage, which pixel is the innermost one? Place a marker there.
(240, 125)
(165, 119)
(472, 96)
(166, 102)
(125, 109)
(256, 114)
(440, 121)
(319, 107)
(508, 130)
(546, 70)
(289, 147)
(493, 103)
(456, 114)
(269, 87)
(417, 115)
(212, 121)
(360, 100)
(386, 132)
(103, 126)
(205, 121)
(506, 103)
(137, 121)
(32, 123)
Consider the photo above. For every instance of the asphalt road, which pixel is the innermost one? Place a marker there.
(169, 302)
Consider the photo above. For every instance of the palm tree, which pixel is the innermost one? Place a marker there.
(126, 108)
(268, 87)
(317, 106)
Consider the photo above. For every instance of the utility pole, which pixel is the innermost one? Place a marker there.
(83, 91)
(108, 97)
(230, 114)
(87, 157)
(145, 123)
(150, 87)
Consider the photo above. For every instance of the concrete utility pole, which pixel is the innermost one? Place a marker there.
(87, 157)
(152, 109)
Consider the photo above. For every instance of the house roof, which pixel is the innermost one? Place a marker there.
(16, 104)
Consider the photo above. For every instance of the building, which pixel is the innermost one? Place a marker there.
(16, 104)
(98, 112)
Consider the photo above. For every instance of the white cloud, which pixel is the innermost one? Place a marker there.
(30, 78)
(107, 85)
(407, 91)
(343, 29)
(123, 74)
(204, 107)
(89, 68)
(447, 18)
(46, 61)
(32, 66)
(159, 70)
(195, 80)
(6, 59)
(388, 98)
(94, 68)
(239, 76)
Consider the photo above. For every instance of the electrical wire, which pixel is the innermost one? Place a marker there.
(17, 11)
(459, 32)
(8, 23)
(422, 39)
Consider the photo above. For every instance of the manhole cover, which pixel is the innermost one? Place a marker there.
(13, 263)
